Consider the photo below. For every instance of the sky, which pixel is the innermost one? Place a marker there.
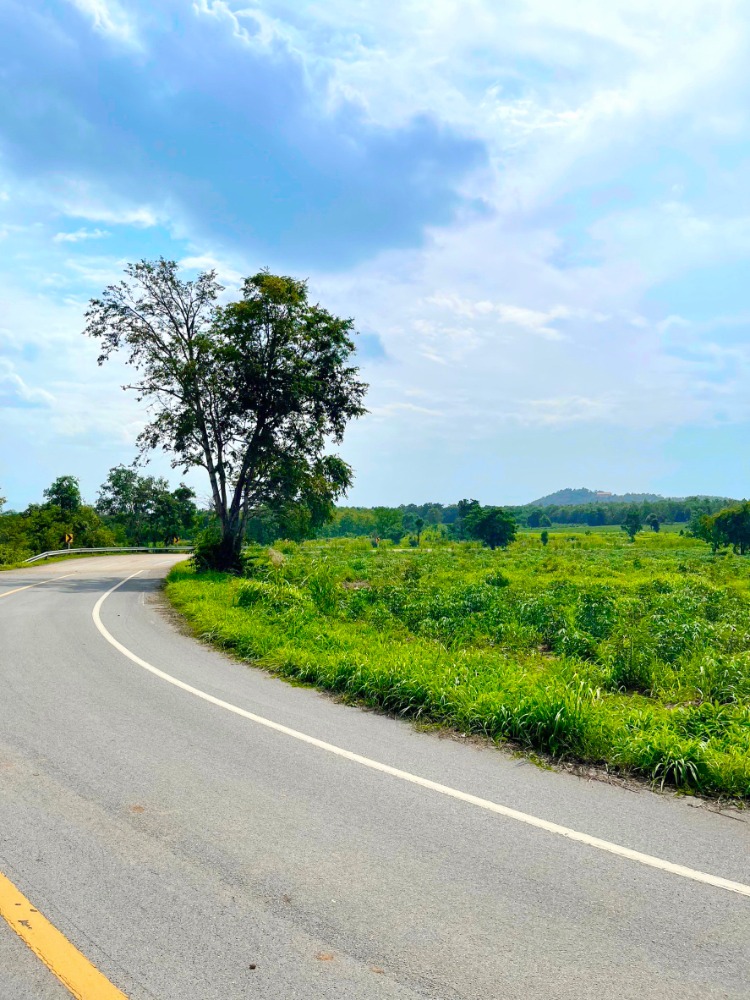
(538, 214)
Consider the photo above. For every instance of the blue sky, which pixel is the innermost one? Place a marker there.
(537, 213)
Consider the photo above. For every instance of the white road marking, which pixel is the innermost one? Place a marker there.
(414, 779)
(28, 586)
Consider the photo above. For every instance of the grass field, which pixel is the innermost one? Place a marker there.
(592, 649)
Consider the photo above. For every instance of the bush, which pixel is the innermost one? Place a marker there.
(207, 549)
(12, 554)
(497, 579)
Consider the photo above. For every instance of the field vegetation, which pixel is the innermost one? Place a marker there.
(634, 656)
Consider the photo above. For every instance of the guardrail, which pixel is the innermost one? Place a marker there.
(133, 548)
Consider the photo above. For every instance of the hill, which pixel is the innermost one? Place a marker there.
(572, 498)
(577, 498)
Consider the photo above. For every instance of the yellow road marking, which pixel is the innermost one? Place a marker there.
(30, 585)
(62, 958)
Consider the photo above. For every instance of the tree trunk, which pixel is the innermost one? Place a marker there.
(226, 555)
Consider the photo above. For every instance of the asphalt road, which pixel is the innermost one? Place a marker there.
(194, 854)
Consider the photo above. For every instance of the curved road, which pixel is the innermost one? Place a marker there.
(194, 853)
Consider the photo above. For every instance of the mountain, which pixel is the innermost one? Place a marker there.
(572, 498)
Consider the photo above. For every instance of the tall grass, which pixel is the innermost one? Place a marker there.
(587, 649)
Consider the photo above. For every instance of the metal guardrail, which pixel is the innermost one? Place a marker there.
(133, 548)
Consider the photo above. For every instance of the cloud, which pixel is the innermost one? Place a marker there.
(227, 273)
(537, 213)
(566, 410)
(388, 410)
(108, 18)
(518, 317)
(81, 234)
(16, 394)
(241, 147)
(86, 199)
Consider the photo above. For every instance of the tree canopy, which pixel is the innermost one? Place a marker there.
(494, 526)
(632, 523)
(728, 527)
(64, 493)
(144, 508)
(252, 391)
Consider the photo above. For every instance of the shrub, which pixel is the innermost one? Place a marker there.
(324, 589)
(629, 654)
(206, 548)
(11, 554)
(497, 579)
(724, 680)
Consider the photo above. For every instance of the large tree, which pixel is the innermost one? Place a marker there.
(64, 493)
(704, 526)
(493, 526)
(632, 523)
(251, 391)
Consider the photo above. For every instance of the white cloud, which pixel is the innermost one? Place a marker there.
(226, 272)
(395, 408)
(108, 18)
(567, 410)
(668, 237)
(562, 93)
(15, 393)
(518, 317)
(80, 234)
(92, 200)
(141, 216)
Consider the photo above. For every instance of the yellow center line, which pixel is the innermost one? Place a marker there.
(28, 586)
(62, 958)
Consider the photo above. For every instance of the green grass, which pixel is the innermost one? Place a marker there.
(633, 656)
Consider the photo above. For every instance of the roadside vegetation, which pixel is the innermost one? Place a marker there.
(130, 510)
(589, 648)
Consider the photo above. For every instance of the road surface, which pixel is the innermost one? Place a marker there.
(191, 851)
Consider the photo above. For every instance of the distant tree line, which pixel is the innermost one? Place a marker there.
(411, 519)
(390, 522)
(467, 519)
(595, 515)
